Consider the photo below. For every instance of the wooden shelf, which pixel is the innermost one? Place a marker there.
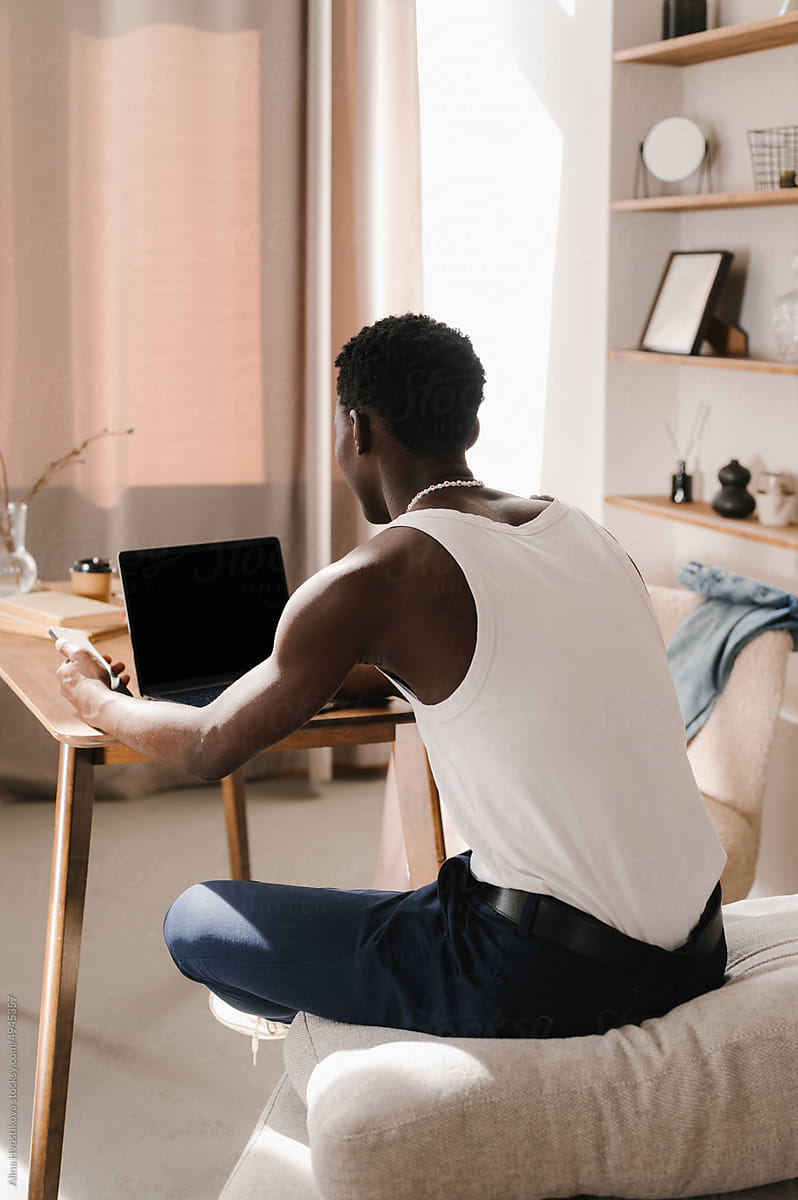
(703, 514)
(709, 200)
(706, 360)
(712, 44)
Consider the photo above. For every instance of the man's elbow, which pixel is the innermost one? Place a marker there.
(209, 772)
(213, 760)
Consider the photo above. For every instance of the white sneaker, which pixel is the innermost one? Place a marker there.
(260, 1029)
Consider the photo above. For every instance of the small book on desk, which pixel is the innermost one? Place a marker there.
(32, 613)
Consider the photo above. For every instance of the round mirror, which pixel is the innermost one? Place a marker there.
(673, 149)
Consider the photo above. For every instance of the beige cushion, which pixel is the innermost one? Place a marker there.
(702, 1100)
(276, 1160)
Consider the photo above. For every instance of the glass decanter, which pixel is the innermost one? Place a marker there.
(17, 567)
(785, 320)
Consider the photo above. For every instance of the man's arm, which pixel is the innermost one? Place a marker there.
(329, 626)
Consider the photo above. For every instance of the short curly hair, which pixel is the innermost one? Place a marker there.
(421, 378)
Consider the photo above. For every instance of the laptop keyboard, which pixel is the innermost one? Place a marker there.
(198, 697)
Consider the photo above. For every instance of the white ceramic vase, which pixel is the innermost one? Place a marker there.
(17, 567)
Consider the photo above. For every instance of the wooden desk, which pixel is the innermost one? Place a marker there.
(28, 667)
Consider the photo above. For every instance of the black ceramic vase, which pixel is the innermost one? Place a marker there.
(733, 500)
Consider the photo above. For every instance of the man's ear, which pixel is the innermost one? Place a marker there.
(361, 430)
(474, 435)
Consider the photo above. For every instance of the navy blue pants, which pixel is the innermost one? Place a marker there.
(438, 959)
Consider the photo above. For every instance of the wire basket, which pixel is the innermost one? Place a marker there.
(773, 151)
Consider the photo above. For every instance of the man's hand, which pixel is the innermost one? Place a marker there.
(84, 682)
(165, 732)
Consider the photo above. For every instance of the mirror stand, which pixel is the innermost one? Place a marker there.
(703, 173)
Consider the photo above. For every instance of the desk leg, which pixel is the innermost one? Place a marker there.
(71, 838)
(419, 806)
(235, 818)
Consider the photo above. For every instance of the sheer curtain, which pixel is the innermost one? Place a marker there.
(200, 200)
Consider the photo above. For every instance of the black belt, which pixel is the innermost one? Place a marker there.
(559, 922)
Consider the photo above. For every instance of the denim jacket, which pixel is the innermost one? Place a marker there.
(704, 646)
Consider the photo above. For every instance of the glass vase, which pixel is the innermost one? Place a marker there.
(785, 321)
(17, 567)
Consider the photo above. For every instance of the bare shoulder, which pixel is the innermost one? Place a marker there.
(378, 581)
(386, 582)
(401, 552)
(362, 580)
(371, 559)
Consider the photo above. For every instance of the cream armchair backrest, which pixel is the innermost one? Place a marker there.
(730, 754)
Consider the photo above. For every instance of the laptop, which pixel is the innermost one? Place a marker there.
(201, 616)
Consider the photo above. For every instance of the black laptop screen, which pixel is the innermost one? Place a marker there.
(202, 614)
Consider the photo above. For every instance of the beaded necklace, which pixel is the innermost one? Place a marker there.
(447, 484)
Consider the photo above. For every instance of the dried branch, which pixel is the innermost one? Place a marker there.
(57, 464)
(53, 467)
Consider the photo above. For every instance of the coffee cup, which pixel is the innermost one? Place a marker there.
(91, 577)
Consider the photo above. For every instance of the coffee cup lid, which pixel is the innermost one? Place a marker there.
(94, 565)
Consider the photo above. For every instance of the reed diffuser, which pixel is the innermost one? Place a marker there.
(681, 482)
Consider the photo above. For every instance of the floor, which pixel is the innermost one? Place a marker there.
(162, 1098)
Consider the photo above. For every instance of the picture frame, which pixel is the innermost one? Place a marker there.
(681, 314)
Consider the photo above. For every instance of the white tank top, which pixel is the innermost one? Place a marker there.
(561, 756)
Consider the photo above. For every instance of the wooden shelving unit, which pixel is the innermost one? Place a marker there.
(716, 43)
(702, 513)
(706, 360)
(703, 47)
(709, 200)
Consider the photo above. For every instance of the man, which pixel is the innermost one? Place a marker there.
(525, 640)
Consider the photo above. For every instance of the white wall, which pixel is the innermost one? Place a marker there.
(753, 417)
(515, 152)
